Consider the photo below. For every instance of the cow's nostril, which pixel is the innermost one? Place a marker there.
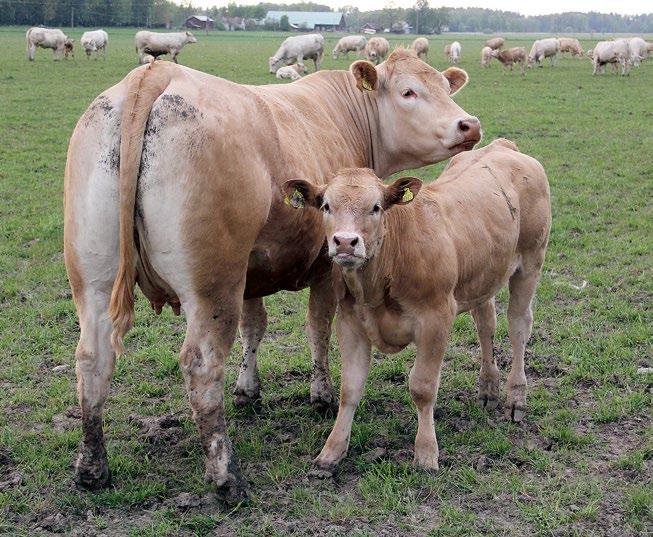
(335, 239)
(354, 241)
(463, 126)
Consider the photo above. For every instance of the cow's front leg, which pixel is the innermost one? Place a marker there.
(430, 342)
(321, 309)
(253, 322)
(355, 350)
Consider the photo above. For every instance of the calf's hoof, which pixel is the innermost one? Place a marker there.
(488, 393)
(92, 471)
(515, 409)
(233, 489)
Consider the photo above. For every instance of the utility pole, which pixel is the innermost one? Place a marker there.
(72, 16)
(417, 21)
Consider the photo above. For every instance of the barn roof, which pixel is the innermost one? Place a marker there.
(308, 19)
(202, 18)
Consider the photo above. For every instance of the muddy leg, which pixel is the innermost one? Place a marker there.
(321, 309)
(356, 354)
(485, 317)
(95, 364)
(253, 322)
(430, 342)
(520, 321)
(210, 333)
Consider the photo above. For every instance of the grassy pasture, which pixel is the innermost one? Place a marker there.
(582, 463)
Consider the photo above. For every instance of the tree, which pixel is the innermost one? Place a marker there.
(284, 23)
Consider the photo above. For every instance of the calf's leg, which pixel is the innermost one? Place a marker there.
(485, 317)
(253, 322)
(355, 350)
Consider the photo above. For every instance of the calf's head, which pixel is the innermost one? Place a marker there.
(353, 205)
(418, 122)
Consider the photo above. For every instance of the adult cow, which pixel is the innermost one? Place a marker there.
(296, 49)
(453, 51)
(47, 38)
(154, 44)
(616, 53)
(495, 43)
(173, 181)
(347, 44)
(542, 49)
(638, 50)
(511, 56)
(570, 44)
(95, 41)
(486, 56)
(377, 49)
(404, 269)
(421, 47)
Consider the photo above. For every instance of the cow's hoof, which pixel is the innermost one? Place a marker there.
(92, 473)
(488, 393)
(243, 399)
(234, 489)
(427, 462)
(323, 469)
(324, 402)
(515, 409)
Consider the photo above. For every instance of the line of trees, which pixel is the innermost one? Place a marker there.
(422, 17)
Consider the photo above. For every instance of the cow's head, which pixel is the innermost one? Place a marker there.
(274, 63)
(353, 205)
(190, 38)
(418, 122)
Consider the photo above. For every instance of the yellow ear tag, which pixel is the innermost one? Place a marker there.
(408, 195)
(297, 201)
(367, 85)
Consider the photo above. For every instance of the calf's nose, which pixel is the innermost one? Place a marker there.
(470, 127)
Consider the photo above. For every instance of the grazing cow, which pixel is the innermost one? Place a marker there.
(486, 56)
(291, 72)
(52, 38)
(649, 46)
(510, 57)
(349, 43)
(296, 49)
(616, 53)
(377, 49)
(569, 44)
(95, 41)
(638, 50)
(421, 47)
(541, 49)
(409, 258)
(454, 52)
(158, 44)
(495, 43)
(173, 181)
(590, 53)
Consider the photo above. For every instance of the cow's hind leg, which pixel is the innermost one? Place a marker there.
(523, 284)
(321, 309)
(211, 330)
(253, 322)
(485, 317)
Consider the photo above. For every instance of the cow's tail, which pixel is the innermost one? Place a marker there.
(29, 52)
(144, 86)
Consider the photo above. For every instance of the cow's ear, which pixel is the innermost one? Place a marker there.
(457, 79)
(367, 79)
(401, 192)
(299, 194)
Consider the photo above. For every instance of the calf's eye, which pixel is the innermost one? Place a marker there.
(376, 208)
(408, 93)
(325, 207)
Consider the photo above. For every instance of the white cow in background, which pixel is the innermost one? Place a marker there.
(152, 44)
(296, 49)
(543, 48)
(614, 52)
(455, 51)
(349, 43)
(638, 50)
(95, 41)
(47, 38)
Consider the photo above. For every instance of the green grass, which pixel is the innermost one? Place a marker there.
(580, 465)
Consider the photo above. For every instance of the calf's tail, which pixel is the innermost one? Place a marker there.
(144, 86)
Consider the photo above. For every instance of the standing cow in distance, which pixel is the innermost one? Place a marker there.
(511, 56)
(421, 47)
(570, 44)
(486, 56)
(96, 41)
(173, 182)
(349, 43)
(377, 49)
(296, 49)
(616, 53)
(495, 43)
(638, 50)
(152, 44)
(541, 49)
(409, 258)
(453, 52)
(51, 38)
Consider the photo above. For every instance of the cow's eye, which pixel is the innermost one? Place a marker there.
(376, 208)
(325, 207)
(408, 94)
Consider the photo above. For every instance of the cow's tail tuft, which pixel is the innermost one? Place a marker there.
(144, 86)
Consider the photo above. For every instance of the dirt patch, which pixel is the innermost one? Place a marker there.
(68, 420)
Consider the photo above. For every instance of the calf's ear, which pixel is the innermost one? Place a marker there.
(299, 194)
(457, 79)
(367, 79)
(401, 192)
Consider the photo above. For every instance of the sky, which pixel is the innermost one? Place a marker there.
(627, 7)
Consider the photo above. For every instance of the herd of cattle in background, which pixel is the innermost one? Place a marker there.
(288, 61)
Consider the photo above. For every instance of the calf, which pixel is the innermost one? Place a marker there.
(292, 72)
(510, 57)
(486, 56)
(403, 271)
(495, 43)
(153, 44)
